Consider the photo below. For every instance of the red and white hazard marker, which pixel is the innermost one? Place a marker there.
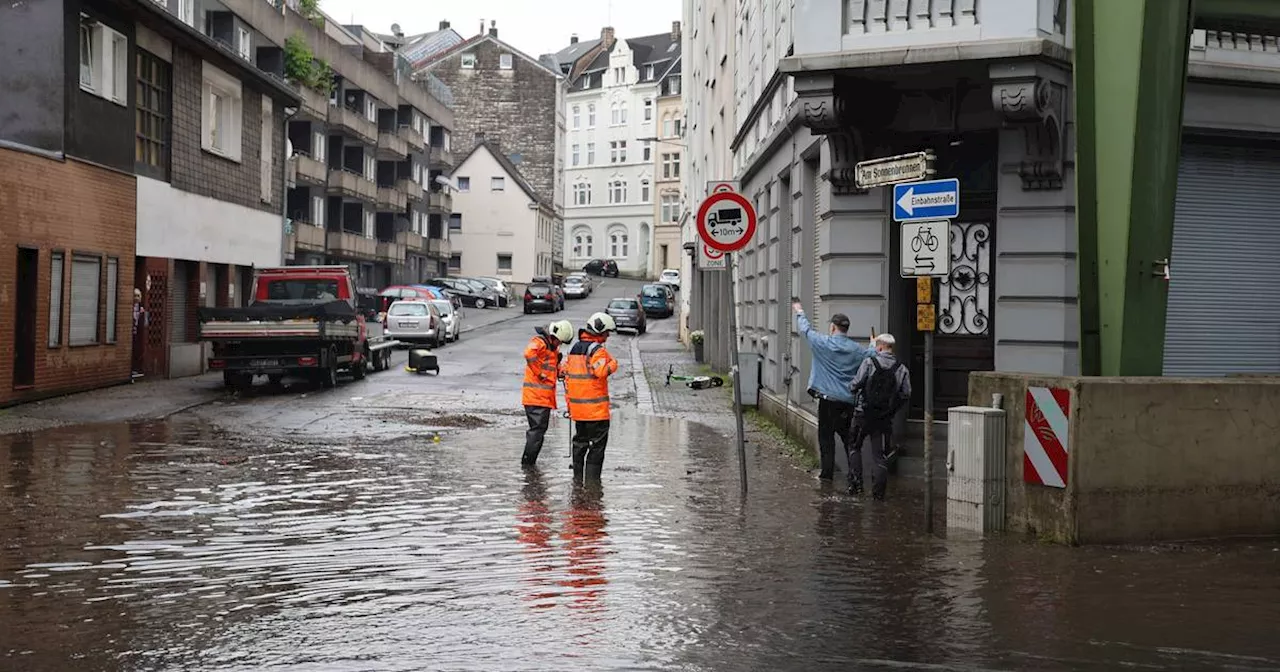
(1044, 436)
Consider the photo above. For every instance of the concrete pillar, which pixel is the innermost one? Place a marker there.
(1130, 73)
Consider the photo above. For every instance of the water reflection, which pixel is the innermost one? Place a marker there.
(585, 542)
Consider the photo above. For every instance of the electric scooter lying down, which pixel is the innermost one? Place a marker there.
(693, 382)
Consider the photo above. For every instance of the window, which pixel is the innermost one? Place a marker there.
(577, 117)
(468, 62)
(464, 184)
(244, 44)
(591, 153)
(370, 223)
(670, 165)
(644, 191)
(455, 261)
(104, 61)
(648, 109)
(618, 245)
(670, 207)
(648, 72)
(617, 191)
(417, 174)
(222, 113)
(455, 221)
(317, 211)
(497, 183)
(582, 194)
(370, 108)
(152, 115)
(582, 245)
(266, 158)
(673, 86)
(648, 151)
(620, 75)
(187, 11)
(86, 283)
(113, 299)
(591, 118)
(319, 146)
(613, 152)
(679, 125)
(504, 264)
(575, 155)
(622, 107)
(622, 150)
(505, 61)
(668, 127)
(613, 114)
(55, 299)
(370, 166)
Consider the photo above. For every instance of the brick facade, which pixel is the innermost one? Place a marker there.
(516, 108)
(74, 208)
(201, 172)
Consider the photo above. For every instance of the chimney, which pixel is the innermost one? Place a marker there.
(573, 39)
(444, 25)
(675, 31)
(482, 26)
(606, 37)
(493, 29)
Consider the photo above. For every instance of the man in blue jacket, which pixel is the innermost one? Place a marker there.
(836, 359)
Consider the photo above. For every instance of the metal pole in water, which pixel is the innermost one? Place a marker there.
(737, 375)
(928, 431)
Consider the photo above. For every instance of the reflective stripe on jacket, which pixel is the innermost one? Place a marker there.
(586, 380)
(541, 364)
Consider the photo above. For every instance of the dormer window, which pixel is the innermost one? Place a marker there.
(469, 61)
(648, 72)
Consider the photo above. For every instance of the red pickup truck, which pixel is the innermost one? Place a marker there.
(302, 320)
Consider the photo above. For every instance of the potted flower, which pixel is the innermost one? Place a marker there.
(696, 338)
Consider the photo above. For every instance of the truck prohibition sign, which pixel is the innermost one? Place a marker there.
(726, 221)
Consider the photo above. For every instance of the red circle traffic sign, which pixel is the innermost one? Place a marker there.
(732, 230)
(711, 253)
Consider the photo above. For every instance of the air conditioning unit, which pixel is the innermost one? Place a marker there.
(976, 466)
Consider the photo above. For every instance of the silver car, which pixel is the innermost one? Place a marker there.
(575, 288)
(415, 321)
(452, 318)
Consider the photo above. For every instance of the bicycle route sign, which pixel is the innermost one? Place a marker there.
(726, 221)
(918, 201)
(926, 249)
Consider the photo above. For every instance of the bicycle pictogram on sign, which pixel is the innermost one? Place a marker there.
(921, 241)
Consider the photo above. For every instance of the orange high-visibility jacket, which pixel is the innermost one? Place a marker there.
(541, 364)
(586, 380)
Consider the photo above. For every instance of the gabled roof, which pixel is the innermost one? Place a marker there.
(565, 58)
(660, 51)
(434, 58)
(424, 46)
(507, 166)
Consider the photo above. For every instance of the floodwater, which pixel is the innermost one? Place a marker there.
(171, 546)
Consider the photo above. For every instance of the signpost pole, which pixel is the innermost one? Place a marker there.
(928, 431)
(736, 373)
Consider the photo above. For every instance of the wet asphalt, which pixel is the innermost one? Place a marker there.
(386, 525)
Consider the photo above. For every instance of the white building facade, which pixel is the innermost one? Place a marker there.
(499, 228)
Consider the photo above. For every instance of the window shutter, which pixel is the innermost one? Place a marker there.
(113, 299)
(55, 299)
(86, 277)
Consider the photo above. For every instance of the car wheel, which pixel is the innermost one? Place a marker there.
(329, 376)
(360, 368)
(480, 303)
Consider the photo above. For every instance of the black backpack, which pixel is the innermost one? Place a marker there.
(880, 394)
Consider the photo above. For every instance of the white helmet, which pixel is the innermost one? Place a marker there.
(600, 323)
(562, 331)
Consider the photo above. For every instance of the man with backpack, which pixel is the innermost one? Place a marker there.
(882, 387)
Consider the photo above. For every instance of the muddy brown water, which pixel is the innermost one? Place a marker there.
(172, 546)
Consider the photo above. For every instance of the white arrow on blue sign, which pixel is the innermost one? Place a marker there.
(935, 199)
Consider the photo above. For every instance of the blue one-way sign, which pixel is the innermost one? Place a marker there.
(935, 199)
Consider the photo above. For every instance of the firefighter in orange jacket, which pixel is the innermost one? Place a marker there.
(586, 372)
(541, 368)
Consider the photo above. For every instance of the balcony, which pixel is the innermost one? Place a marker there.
(311, 171)
(391, 147)
(290, 174)
(440, 202)
(353, 185)
(391, 199)
(438, 248)
(352, 245)
(354, 123)
(412, 189)
(391, 252)
(412, 137)
(413, 242)
(441, 159)
(308, 237)
(315, 105)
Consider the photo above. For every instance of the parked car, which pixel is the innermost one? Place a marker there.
(495, 299)
(605, 268)
(576, 288)
(671, 277)
(452, 318)
(393, 293)
(415, 321)
(586, 280)
(470, 296)
(498, 287)
(541, 297)
(628, 314)
(658, 300)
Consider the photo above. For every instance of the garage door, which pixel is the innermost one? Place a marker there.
(1224, 286)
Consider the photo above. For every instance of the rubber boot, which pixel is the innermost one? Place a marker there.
(593, 471)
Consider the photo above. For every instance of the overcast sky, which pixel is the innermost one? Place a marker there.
(532, 26)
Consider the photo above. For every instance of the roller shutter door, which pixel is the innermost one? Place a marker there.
(1224, 307)
(178, 302)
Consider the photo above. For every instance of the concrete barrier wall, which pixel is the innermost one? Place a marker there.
(1150, 458)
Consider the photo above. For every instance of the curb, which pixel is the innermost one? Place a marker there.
(644, 393)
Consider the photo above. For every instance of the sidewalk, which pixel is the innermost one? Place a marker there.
(144, 400)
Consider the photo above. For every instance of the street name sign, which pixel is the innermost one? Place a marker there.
(726, 221)
(926, 249)
(935, 199)
(894, 169)
(710, 259)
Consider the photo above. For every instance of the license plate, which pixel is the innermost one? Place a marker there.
(407, 325)
(264, 362)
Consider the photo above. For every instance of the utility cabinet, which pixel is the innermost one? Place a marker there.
(976, 465)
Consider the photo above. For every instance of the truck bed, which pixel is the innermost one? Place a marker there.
(335, 320)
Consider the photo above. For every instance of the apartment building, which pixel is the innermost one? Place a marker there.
(988, 89)
(669, 150)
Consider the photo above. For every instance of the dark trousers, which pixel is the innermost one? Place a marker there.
(835, 418)
(881, 434)
(539, 419)
(590, 438)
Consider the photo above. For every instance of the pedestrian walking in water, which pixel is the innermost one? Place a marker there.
(836, 359)
(586, 371)
(541, 370)
(883, 387)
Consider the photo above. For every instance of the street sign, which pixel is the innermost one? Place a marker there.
(936, 199)
(926, 249)
(726, 221)
(926, 317)
(710, 259)
(894, 169)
